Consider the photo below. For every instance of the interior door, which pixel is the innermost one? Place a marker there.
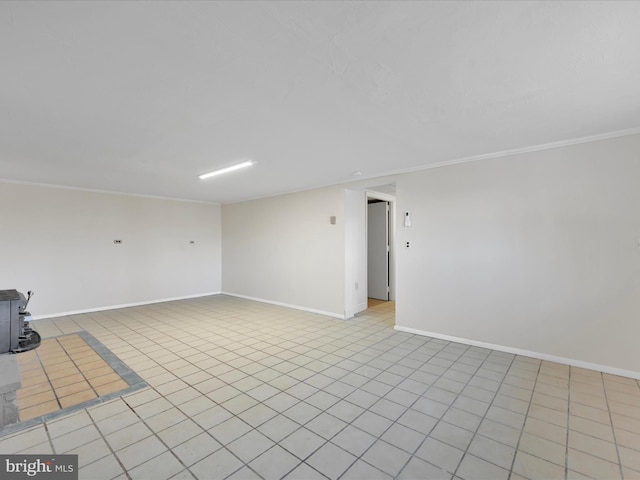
(378, 250)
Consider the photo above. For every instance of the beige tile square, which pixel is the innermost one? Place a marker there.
(630, 474)
(549, 415)
(549, 401)
(596, 401)
(75, 438)
(172, 386)
(103, 379)
(627, 439)
(553, 390)
(97, 372)
(625, 398)
(179, 433)
(67, 424)
(53, 356)
(37, 389)
(86, 368)
(36, 399)
(589, 427)
(38, 410)
(630, 458)
(554, 369)
(68, 380)
(595, 388)
(162, 467)
(141, 451)
(77, 398)
(492, 451)
(613, 380)
(626, 410)
(62, 370)
(593, 446)
(626, 423)
(111, 387)
(535, 468)
(590, 413)
(108, 409)
(562, 382)
(41, 449)
(33, 377)
(546, 430)
(72, 389)
(586, 375)
(128, 435)
(24, 439)
(543, 448)
(165, 419)
(571, 475)
(591, 466)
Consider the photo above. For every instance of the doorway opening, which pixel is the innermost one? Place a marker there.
(380, 251)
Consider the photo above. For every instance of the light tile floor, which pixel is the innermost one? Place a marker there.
(244, 390)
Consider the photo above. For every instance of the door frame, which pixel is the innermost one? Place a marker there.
(392, 231)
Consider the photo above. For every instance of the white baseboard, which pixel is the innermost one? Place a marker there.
(124, 305)
(288, 305)
(526, 353)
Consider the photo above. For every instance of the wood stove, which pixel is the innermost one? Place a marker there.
(15, 333)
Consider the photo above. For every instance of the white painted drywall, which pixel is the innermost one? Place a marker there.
(537, 251)
(59, 243)
(285, 250)
(355, 213)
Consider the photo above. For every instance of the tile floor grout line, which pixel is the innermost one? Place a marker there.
(49, 379)
(475, 432)
(46, 429)
(79, 370)
(412, 455)
(154, 433)
(613, 429)
(407, 408)
(566, 450)
(113, 452)
(526, 416)
(300, 425)
(223, 445)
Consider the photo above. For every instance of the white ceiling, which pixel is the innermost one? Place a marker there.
(141, 97)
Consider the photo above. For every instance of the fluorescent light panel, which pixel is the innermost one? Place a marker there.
(248, 163)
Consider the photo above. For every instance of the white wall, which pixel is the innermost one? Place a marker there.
(59, 243)
(284, 250)
(356, 287)
(538, 252)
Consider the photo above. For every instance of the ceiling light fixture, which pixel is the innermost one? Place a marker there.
(248, 163)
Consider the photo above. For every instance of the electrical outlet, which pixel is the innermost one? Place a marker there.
(117, 242)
